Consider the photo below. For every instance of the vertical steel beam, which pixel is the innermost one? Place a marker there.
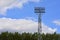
(39, 27)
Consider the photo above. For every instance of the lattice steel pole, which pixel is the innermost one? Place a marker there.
(39, 11)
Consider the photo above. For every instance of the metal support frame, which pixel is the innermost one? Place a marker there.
(39, 11)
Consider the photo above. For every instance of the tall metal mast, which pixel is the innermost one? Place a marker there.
(39, 11)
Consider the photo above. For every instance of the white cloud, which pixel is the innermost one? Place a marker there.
(7, 4)
(22, 25)
(47, 29)
(57, 22)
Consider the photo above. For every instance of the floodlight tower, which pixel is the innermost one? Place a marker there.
(39, 11)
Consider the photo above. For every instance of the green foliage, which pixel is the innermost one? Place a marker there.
(28, 36)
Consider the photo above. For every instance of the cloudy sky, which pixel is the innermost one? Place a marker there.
(19, 16)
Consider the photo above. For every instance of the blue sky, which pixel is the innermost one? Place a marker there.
(25, 10)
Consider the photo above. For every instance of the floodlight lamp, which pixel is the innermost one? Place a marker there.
(39, 10)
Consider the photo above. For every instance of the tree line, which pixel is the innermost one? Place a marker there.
(28, 36)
